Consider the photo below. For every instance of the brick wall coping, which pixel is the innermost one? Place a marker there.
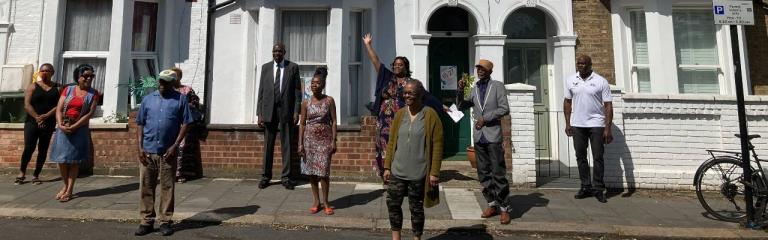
(691, 97)
(256, 128)
(519, 87)
(116, 126)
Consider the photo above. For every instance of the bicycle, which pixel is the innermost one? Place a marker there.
(720, 184)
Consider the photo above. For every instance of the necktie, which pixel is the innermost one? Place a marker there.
(278, 74)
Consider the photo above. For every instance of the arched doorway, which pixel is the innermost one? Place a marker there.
(527, 60)
(449, 50)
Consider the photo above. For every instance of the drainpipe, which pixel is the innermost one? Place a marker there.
(207, 81)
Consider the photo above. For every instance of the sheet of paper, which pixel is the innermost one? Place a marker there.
(455, 114)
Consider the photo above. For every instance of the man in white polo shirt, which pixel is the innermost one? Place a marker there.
(588, 115)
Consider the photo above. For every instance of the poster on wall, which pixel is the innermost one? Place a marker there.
(448, 78)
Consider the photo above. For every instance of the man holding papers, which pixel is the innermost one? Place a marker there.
(489, 99)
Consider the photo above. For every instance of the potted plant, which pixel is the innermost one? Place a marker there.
(469, 80)
(138, 89)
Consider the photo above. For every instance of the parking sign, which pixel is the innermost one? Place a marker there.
(733, 12)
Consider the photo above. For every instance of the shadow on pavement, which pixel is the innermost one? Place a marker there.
(521, 204)
(110, 190)
(475, 232)
(356, 199)
(214, 217)
(447, 175)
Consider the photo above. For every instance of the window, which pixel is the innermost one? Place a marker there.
(641, 73)
(304, 34)
(356, 30)
(143, 49)
(696, 51)
(86, 38)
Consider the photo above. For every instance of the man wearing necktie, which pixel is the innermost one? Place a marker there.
(277, 109)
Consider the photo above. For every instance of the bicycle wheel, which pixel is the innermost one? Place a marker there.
(720, 190)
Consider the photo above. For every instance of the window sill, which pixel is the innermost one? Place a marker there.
(691, 97)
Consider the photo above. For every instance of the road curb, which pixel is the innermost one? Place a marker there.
(324, 222)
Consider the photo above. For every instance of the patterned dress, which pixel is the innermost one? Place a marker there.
(318, 139)
(387, 110)
(189, 161)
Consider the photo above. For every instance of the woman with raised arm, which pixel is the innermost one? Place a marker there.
(389, 99)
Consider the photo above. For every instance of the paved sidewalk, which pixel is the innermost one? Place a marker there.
(644, 214)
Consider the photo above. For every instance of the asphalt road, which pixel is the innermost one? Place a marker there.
(39, 229)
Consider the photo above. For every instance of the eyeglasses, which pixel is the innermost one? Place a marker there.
(88, 76)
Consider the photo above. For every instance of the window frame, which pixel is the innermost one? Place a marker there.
(624, 53)
(720, 45)
(278, 34)
(144, 55)
(633, 65)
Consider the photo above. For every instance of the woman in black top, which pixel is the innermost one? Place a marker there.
(40, 101)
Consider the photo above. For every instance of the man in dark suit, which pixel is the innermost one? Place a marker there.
(279, 92)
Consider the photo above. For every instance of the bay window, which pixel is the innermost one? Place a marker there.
(86, 39)
(304, 34)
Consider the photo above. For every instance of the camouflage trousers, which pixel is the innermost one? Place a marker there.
(396, 191)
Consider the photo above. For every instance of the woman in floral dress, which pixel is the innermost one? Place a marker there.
(317, 134)
(390, 97)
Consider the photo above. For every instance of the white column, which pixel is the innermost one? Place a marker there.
(420, 60)
(491, 48)
(338, 72)
(661, 47)
(119, 63)
(51, 34)
(522, 129)
(265, 36)
(565, 65)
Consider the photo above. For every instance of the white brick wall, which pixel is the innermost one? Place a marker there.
(520, 98)
(194, 65)
(667, 136)
(659, 140)
(24, 40)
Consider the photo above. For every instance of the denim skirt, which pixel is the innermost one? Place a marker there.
(71, 148)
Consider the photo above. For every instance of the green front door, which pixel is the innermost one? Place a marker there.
(450, 53)
(527, 63)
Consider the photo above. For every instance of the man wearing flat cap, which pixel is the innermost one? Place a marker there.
(489, 99)
(163, 121)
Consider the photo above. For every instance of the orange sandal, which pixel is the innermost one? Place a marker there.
(328, 210)
(314, 210)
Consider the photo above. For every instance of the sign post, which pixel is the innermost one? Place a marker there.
(733, 13)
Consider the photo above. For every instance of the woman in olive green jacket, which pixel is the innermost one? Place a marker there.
(412, 163)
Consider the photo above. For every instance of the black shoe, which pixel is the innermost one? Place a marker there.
(263, 184)
(600, 196)
(583, 193)
(144, 230)
(288, 184)
(165, 229)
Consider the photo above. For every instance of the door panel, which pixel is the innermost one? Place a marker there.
(526, 63)
(450, 52)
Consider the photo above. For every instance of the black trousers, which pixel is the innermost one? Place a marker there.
(492, 173)
(582, 138)
(35, 137)
(270, 134)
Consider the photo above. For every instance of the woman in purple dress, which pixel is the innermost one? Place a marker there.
(390, 97)
(317, 139)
